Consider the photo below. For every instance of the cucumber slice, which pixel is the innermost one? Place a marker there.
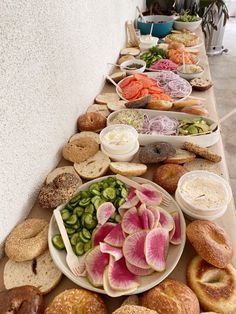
(124, 193)
(95, 198)
(87, 246)
(109, 193)
(98, 202)
(76, 226)
(75, 238)
(118, 218)
(70, 230)
(84, 202)
(89, 209)
(78, 211)
(86, 233)
(89, 221)
(72, 219)
(121, 202)
(82, 237)
(69, 207)
(65, 215)
(58, 242)
(75, 199)
(79, 249)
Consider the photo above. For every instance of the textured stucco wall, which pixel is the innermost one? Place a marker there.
(53, 56)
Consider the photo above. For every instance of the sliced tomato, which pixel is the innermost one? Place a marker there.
(126, 81)
(132, 89)
(144, 92)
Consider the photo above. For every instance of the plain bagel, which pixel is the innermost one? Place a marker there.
(214, 245)
(27, 240)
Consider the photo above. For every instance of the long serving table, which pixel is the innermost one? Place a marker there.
(228, 221)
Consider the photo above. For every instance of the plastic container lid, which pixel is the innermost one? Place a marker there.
(124, 157)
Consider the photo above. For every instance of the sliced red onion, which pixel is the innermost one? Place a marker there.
(162, 125)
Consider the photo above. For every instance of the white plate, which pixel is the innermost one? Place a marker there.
(153, 75)
(205, 140)
(146, 282)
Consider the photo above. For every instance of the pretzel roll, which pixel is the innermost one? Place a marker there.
(77, 301)
(213, 244)
(214, 287)
(22, 300)
(27, 240)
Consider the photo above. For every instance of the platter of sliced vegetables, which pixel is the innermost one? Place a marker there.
(126, 239)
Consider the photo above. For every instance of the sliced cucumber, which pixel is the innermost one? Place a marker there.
(124, 193)
(78, 211)
(79, 248)
(65, 215)
(70, 230)
(75, 199)
(109, 193)
(84, 202)
(86, 233)
(75, 238)
(89, 209)
(58, 242)
(87, 246)
(72, 220)
(82, 237)
(118, 218)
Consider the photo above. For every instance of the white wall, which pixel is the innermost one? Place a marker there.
(53, 56)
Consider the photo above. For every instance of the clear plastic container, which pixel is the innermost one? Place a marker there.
(119, 139)
(122, 157)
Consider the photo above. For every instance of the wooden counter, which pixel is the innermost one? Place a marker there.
(228, 221)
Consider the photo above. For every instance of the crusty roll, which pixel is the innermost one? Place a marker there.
(22, 300)
(159, 105)
(91, 121)
(172, 297)
(214, 287)
(134, 309)
(214, 245)
(27, 240)
(77, 301)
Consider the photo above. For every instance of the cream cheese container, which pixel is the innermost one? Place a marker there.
(203, 195)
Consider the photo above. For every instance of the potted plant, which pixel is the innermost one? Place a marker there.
(159, 7)
(214, 18)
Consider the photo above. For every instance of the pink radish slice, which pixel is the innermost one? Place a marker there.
(116, 237)
(149, 195)
(122, 211)
(111, 292)
(146, 216)
(95, 262)
(120, 278)
(166, 219)
(155, 211)
(132, 199)
(131, 222)
(156, 246)
(104, 212)
(133, 249)
(101, 232)
(175, 234)
(138, 271)
(113, 251)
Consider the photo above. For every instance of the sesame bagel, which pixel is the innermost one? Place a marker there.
(214, 245)
(27, 240)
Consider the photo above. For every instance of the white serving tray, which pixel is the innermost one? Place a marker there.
(204, 140)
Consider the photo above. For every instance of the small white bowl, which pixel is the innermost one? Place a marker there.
(147, 42)
(124, 65)
(189, 76)
(119, 139)
(190, 26)
(122, 157)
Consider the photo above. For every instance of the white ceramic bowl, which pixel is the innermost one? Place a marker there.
(122, 157)
(146, 282)
(147, 42)
(124, 139)
(188, 76)
(191, 26)
(176, 140)
(124, 65)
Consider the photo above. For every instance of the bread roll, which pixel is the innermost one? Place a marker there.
(133, 309)
(172, 297)
(128, 168)
(91, 121)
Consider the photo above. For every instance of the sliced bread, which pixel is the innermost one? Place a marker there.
(40, 272)
(203, 164)
(94, 167)
(131, 300)
(128, 168)
(83, 134)
(60, 170)
(105, 98)
(118, 76)
(116, 105)
(99, 108)
(180, 157)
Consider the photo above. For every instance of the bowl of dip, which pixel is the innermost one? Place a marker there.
(203, 195)
(190, 71)
(147, 42)
(133, 66)
(119, 139)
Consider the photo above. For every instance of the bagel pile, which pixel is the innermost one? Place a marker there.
(210, 274)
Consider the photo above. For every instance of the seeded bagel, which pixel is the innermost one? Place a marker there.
(27, 240)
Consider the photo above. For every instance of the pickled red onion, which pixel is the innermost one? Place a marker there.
(162, 125)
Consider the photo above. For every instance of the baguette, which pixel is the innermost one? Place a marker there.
(94, 167)
(40, 272)
(105, 98)
(186, 103)
(99, 108)
(128, 168)
(159, 105)
(202, 151)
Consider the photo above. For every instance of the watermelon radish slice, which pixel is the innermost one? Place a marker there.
(133, 249)
(111, 292)
(104, 212)
(131, 221)
(95, 262)
(139, 271)
(132, 199)
(113, 251)
(116, 237)
(119, 277)
(122, 211)
(101, 232)
(156, 246)
(149, 195)
(175, 234)
(166, 219)
(146, 216)
(155, 211)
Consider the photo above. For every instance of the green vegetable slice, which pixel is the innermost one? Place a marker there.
(78, 211)
(86, 233)
(79, 248)
(65, 215)
(82, 237)
(58, 242)
(70, 230)
(72, 219)
(84, 202)
(118, 218)
(89, 209)
(87, 246)
(109, 193)
(75, 238)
